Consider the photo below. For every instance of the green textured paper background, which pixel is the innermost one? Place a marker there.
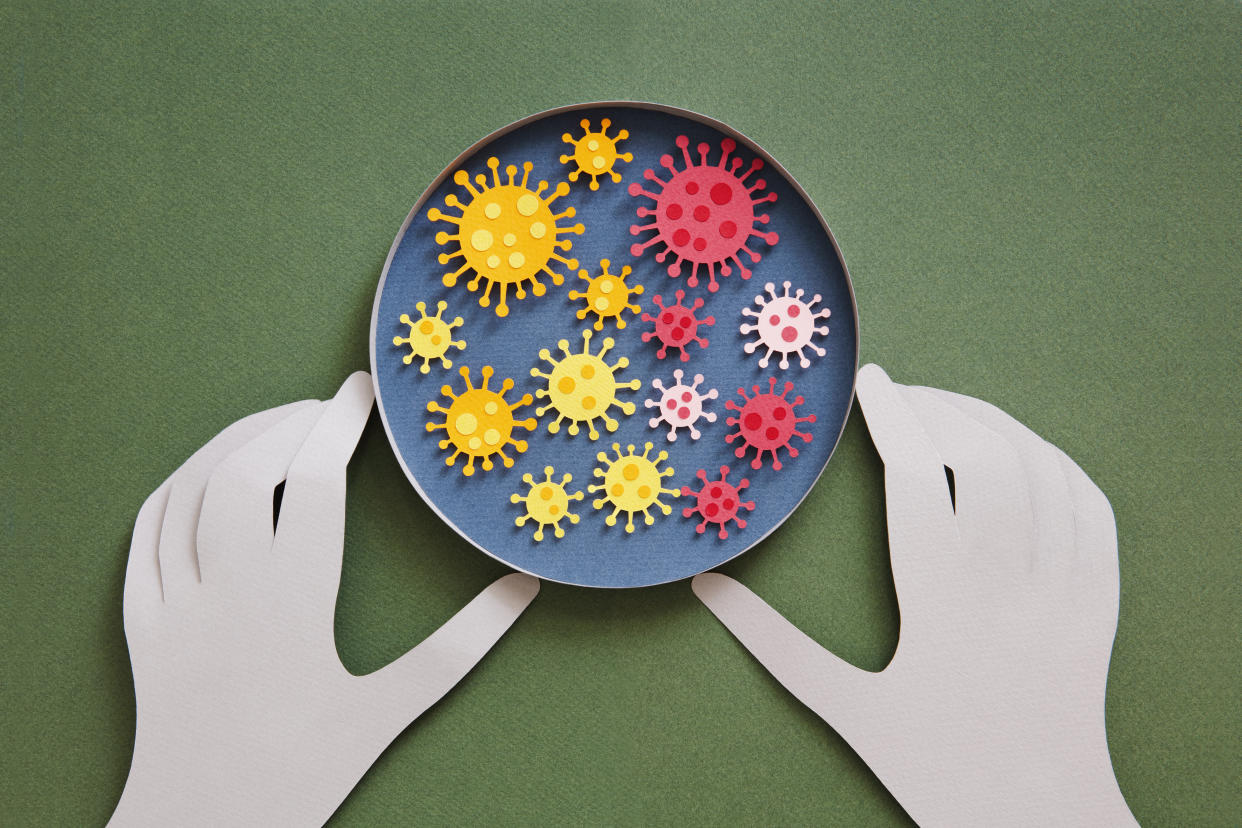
(1040, 206)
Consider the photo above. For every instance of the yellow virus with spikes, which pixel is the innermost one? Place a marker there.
(595, 153)
(632, 484)
(479, 423)
(430, 337)
(607, 295)
(547, 502)
(506, 234)
(582, 387)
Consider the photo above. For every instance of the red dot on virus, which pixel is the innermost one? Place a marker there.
(704, 214)
(766, 421)
(676, 326)
(718, 502)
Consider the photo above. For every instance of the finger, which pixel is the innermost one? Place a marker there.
(144, 595)
(1095, 527)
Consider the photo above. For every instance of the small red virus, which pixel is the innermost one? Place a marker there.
(704, 214)
(718, 502)
(676, 326)
(766, 422)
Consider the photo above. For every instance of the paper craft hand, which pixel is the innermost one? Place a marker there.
(991, 711)
(245, 714)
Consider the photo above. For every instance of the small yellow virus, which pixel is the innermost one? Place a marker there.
(595, 153)
(581, 387)
(479, 423)
(506, 234)
(430, 337)
(607, 295)
(547, 502)
(632, 485)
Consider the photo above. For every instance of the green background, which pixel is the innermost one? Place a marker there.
(1040, 206)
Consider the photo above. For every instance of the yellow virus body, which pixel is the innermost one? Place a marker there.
(430, 337)
(607, 295)
(632, 484)
(506, 233)
(547, 502)
(582, 387)
(595, 153)
(479, 422)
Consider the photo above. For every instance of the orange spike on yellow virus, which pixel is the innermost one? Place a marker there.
(595, 153)
(632, 484)
(479, 423)
(582, 387)
(607, 295)
(547, 502)
(506, 234)
(430, 337)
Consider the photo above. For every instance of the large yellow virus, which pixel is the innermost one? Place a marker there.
(547, 502)
(430, 337)
(595, 153)
(479, 422)
(506, 233)
(632, 485)
(582, 387)
(607, 295)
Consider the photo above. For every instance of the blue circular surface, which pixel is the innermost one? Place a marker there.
(592, 553)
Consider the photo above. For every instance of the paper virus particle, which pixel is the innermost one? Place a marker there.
(766, 422)
(607, 295)
(506, 234)
(547, 503)
(718, 502)
(676, 326)
(785, 325)
(479, 422)
(632, 484)
(430, 337)
(704, 214)
(681, 405)
(582, 387)
(595, 153)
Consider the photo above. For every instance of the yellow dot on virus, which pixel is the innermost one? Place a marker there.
(632, 484)
(607, 295)
(479, 422)
(430, 337)
(595, 153)
(506, 234)
(582, 387)
(547, 502)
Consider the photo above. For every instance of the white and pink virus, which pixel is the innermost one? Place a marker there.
(704, 214)
(785, 325)
(681, 405)
(676, 326)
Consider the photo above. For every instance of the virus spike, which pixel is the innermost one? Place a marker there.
(479, 423)
(676, 326)
(766, 422)
(718, 502)
(430, 337)
(681, 405)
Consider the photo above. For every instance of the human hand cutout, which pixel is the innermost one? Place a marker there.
(991, 711)
(245, 714)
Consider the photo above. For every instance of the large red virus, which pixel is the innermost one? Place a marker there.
(676, 326)
(765, 422)
(718, 502)
(704, 214)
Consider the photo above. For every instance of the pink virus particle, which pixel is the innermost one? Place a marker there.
(718, 502)
(785, 325)
(704, 214)
(681, 405)
(676, 326)
(766, 421)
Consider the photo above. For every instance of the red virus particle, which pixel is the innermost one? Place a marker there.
(718, 502)
(765, 422)
(676, 326)
(704, 214)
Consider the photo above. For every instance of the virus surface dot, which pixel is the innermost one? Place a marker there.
(632, 483)
(546, 503)
(479, 423)
(766, 422)
(582, 387)
(681, 405)
(430, 337)
(704, 214)
(718, 502)
(676, 326)
(506, 235)
(595, 153)
(785, 325)
(607, 295)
